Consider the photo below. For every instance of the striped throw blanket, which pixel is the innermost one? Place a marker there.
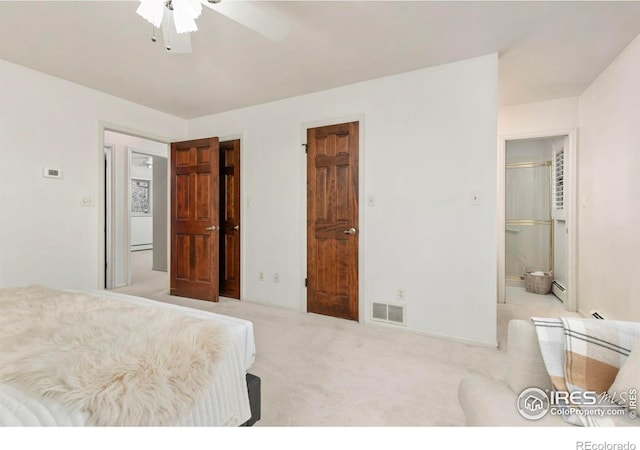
(585, 355)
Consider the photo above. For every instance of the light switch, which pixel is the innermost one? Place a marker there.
(475, 198)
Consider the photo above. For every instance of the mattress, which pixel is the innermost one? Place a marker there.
(225, 404)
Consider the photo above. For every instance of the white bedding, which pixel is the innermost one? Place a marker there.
(226, 404)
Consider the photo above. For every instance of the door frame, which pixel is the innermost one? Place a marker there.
(109, 217)
(240, 137)
(571, 202)
(363, 310)
(117, 128)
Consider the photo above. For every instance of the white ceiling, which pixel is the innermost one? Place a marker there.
(547, 49)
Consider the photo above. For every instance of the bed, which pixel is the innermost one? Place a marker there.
(191, 368)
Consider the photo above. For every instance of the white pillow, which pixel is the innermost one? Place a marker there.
(628, 376)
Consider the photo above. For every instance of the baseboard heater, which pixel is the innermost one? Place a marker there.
(389, 313)
(559, 291)
(140, 247)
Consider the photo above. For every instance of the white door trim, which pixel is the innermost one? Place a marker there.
(571, 202)
(109, 218)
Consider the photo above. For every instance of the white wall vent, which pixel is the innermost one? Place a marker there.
(389, 313)
(598, 315)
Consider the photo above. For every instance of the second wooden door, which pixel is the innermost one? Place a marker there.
(230, 219)
(332, 220)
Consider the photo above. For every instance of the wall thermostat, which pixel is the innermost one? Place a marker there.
(52, 173)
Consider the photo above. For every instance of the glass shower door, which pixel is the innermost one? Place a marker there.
(529, 228)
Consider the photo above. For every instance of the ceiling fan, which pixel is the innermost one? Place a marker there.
(176, 18)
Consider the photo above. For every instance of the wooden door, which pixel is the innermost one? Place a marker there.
(332, 220)
(195, 219)
(230, 219)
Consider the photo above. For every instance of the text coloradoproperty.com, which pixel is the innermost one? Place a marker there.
(571, 411)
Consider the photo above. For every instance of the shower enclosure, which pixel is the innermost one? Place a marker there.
(529, 225)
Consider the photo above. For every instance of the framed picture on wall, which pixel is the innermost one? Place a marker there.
(140, 197)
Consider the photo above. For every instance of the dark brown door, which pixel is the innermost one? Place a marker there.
(332, 220)
(195, 219)
(230, 219)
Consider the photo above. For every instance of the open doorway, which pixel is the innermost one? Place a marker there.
(535, 231)
(537, 221)
(230, 247)
(136, 215)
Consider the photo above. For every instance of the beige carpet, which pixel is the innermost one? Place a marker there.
(321, 371)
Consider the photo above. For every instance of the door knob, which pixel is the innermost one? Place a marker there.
(237, 227)
(211, 228)
(350, 231)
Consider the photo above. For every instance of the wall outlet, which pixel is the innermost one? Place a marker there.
(261, 276)
(276, 277)
(400, 294)
(87, 201)
(475, 198)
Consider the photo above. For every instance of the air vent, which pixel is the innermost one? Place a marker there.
(598, 315)
(388, 313)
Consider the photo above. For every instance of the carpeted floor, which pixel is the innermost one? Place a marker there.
(321, 371)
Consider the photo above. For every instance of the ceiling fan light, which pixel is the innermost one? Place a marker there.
(184, 24)
(195, 6)
(152, 11)
(184, 17)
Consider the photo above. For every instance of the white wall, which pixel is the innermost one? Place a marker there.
(46, 236)
(429, 142)
(609, 190)
(560, 114)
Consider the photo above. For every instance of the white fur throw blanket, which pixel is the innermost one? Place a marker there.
(122, 364)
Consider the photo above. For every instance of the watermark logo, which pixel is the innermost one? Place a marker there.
(533, 403)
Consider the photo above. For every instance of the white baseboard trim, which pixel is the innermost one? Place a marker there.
(445, 337)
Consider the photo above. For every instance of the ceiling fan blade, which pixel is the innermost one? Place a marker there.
(252, 16)
(151, 11)
(176, 42)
